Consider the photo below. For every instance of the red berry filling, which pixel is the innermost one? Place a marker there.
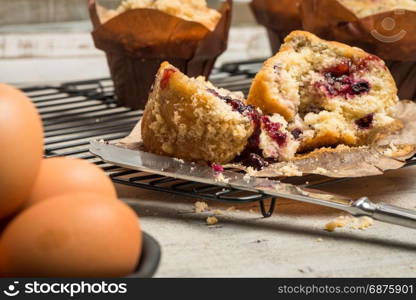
(236, 104)
(365, 63)
(167, 74)
(340, 80)
(252, 154)
(217, 168)
(255, 161)
(273, 131)
(365, 122)
(296, 133)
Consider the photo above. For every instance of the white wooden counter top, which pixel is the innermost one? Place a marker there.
(291, 243)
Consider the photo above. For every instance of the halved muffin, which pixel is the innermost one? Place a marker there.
(190, 10)
(329, 92)
(365, 8)
(189, 118)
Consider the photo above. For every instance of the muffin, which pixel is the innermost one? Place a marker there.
(365, 8)
(140, 34)
(189, 118)
(279, 17)
(386, 28)
(330, 93)
(190, 10)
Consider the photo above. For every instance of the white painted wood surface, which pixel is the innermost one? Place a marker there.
(292, 243)
(29, 57)
(45, 11)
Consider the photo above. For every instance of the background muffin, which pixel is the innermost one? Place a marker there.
(140, 34)
(280, 17)
(386, 28)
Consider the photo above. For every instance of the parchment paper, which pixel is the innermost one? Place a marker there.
(389, 153)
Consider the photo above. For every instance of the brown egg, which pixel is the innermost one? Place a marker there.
(72, 235)
(21, 148)
(60, 175)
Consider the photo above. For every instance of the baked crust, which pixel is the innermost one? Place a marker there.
(365, 8)
(189, 118)
(184, 120)
(190, 10)
(333, 93)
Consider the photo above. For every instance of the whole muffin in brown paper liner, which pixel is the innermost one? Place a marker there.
(137, 41)
(389, 34)
(279, 17)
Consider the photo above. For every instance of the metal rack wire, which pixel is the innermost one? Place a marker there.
(74, 113)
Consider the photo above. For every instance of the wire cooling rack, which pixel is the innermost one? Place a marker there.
(74, 113)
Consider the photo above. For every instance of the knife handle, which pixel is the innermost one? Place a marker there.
(385, 212)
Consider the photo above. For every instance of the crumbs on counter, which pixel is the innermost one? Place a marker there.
(200, 206)
(212, 220)
(231, 208)
(218, 212)
(361, 223)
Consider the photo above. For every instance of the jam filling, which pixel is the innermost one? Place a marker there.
(236, 104)
(296, 133)
(340, 80)
(273, 131)
(252, 154)
(256, 161)
(167, 74)
(217, 168)
(365, 122)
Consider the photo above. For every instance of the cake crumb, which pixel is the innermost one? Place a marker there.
(200, 206)
(231, 208)
(319, 239)
(390, 150)
(218, 212)
(361, 223)
(212, 220)
(179, 160)
(247, 177)
(290, 170)
(320, 170)
(338, 222)
(219, 177)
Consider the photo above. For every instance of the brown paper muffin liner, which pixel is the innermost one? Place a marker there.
(136, 42)
(388, 153)
(280, 17)
(331, 20)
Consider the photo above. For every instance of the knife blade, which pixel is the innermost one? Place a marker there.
(176, 168)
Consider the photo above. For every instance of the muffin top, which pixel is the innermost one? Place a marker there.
(365, 8)
(190, 10)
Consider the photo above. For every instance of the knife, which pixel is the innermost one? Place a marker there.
(175, 168)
